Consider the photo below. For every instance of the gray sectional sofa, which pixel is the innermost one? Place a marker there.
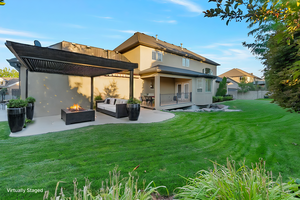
(113, 107)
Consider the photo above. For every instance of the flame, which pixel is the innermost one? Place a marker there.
(75, 107)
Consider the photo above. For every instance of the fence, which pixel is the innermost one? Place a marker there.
(251, 95)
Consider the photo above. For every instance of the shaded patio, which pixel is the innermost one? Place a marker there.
(54, 123)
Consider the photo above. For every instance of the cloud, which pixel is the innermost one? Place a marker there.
(216, 45)
(131, 31)
(104, 17)
(74, 26)
(191, 6)
(127, 31)
(166, 21)
(18, 33)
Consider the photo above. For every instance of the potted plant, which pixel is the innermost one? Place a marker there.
(133, 108)
(30, 107)
(16, 109)
(98, 99)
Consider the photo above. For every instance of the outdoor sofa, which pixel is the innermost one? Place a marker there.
(113, 107)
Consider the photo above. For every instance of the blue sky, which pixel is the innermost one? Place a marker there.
(108, 23)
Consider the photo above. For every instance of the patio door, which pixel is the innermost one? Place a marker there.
(179, 91)
(186, 91)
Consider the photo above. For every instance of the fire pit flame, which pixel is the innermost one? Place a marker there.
(75, 107)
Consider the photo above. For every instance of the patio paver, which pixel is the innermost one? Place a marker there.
(54, 123)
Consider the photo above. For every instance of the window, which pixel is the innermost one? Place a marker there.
(159, 56)
(153, 55)
(207, 71)
(156, 55)
(185, 62)
(199, 84)
(208, 85)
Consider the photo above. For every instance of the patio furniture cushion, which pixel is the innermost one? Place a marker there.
(111, 108)
(121, 101)
(112, 101)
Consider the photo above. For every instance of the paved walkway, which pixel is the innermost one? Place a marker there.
(49, 124)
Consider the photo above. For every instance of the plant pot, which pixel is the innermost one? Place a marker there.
(16, 118)
(133, 111)
(29, 111)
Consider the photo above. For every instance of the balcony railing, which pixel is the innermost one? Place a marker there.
(175, 98)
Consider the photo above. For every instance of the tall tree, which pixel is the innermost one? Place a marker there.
(222, 90)
(6, 72)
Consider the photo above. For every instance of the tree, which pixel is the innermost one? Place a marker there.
(277, 42)
(6, 72)
(222, 90)
(2, 3)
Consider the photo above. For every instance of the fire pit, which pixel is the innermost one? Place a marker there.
(77, 114)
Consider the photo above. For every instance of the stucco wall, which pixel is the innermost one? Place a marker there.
(169, 60)
(54, 92)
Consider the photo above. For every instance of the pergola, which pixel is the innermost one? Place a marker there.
(54, 61)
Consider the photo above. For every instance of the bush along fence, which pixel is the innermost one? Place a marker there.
(222, 98)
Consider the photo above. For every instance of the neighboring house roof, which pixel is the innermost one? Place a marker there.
(235, 72)
(231, 80)
(175, 71)
(149, 41)
(10, 81)
(219, 79)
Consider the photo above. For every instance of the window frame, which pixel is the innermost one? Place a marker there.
(206, 85)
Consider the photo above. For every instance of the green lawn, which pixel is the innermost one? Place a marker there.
(166, 150)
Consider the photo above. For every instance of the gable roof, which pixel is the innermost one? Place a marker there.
(10, 81)
(149, 41)
(237, 72)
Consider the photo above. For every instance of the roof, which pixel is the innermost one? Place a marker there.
(14, 63)
(175, 71)
(149, 41)
(49, 60)
(237, 72)
(10, 81)
(219, 79)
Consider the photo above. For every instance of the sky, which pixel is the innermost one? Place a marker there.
(108, 23)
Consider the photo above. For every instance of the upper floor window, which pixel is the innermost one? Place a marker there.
(185, 62)
(207, 71)
(156, 55)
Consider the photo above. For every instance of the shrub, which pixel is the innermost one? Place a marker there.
(99, 97)
(116, 189)
(222, 90)
(16, 103)
(227, 182)
(227, 98)
(30, 99)
(133, 101)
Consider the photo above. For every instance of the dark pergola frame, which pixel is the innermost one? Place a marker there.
(54, 61)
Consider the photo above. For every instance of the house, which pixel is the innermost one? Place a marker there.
(167, 77)
(237, 75)
(12, 85)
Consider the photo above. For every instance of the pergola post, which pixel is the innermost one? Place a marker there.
(131, 84)
(26, 90)
(92, 92)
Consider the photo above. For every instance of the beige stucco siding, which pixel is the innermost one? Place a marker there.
(167, 85)
(134, 56)
(55, 92)
(171, 60)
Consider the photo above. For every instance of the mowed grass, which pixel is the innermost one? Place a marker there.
(165, 151)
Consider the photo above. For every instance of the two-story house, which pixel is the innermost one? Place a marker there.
(167, 77)
(238, 75)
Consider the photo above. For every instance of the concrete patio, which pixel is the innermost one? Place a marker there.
(50, 124)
